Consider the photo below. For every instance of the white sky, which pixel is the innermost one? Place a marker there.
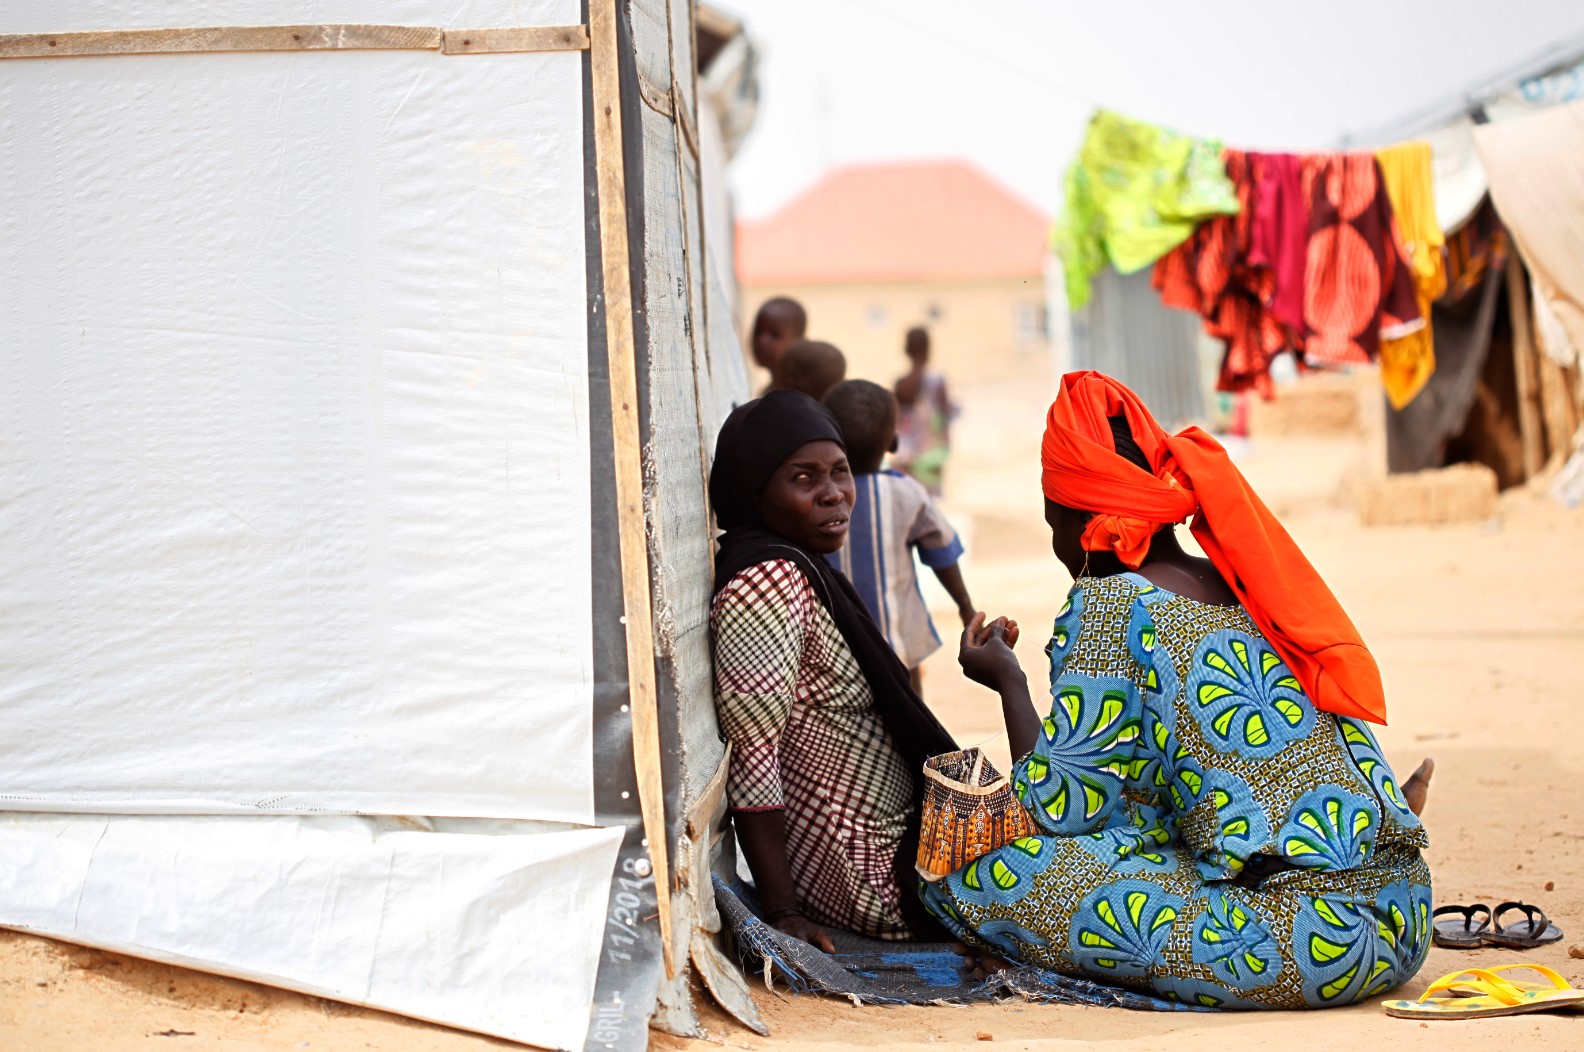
(1009, 84)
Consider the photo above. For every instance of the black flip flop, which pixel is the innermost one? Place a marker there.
(1534, 930)
(1464, 933)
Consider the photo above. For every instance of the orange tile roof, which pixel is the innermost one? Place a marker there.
(903, 221)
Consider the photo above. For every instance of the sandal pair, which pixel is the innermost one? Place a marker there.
(1481, 926)
(1478, 992)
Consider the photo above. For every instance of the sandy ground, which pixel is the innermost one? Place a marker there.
(1478, 628)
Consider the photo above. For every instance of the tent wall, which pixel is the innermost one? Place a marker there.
(392, 913)
(725, 364)
(265, 439)
(684, 405)
(1126, 332)
(310, 475)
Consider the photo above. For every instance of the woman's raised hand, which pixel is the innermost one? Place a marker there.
(985, 652)
(981, 629)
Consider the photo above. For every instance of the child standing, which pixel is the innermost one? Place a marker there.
(924, 423)
(893, 515)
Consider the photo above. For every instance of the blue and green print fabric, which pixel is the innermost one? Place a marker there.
(1208, 836)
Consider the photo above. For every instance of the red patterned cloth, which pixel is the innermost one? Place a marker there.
(806, 738)
(1359, 285)
(1215, 274)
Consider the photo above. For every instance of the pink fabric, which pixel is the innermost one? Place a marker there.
(1281, 233)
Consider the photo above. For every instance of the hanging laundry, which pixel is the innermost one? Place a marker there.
(1133, 194)
(1280, 232)
(1358, 288)
(1536, 169)
(1215, 274)
(1473, 248)
(1406, 363)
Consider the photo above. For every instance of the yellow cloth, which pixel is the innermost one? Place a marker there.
(1407, 363)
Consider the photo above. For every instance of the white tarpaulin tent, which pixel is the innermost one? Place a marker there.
(359, 367)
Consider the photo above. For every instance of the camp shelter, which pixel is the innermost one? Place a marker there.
(361, 365)
(1506, 392)
(1126, 331)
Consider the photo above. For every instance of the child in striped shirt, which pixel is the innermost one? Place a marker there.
(894, 516)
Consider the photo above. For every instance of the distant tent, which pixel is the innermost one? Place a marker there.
(352, 477)
(1126, 331)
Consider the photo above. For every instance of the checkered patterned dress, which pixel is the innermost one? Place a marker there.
(807, 739)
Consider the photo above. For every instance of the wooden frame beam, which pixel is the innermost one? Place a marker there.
(524, 38)
(604, 63)
(338, 36)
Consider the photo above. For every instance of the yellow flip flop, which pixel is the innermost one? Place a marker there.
(1480, 992)
(1477, 989)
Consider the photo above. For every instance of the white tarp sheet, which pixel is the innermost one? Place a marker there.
(293, 422)
(487, 931)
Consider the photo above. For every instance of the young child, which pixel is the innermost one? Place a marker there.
(780, 323)
(924, 423)
(811, 367)
(892, 516)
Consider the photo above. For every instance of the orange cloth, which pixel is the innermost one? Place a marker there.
(1193, 476)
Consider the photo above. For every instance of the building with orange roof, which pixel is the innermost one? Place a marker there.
(871, 250)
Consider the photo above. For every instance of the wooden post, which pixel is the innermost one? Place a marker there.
(1557, 404)
(604, 64)
(1556, 410)
(1524, 369)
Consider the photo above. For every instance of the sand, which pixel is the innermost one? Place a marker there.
(1479, 629)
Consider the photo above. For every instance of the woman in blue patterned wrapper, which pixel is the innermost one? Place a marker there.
(1219, 826)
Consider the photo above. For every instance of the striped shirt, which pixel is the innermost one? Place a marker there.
(893, 516)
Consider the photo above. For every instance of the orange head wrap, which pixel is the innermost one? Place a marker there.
(1191, 475)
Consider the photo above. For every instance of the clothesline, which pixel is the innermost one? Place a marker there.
(1334, 257)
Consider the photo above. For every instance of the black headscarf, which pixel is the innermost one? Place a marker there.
(753, 442)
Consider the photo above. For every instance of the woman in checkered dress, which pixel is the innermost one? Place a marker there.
(828, 738)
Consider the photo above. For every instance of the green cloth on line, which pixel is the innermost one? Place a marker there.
(1134, 193)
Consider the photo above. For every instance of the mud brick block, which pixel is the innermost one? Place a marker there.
(1461, 493)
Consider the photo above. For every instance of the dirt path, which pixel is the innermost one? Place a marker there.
(1479, 629)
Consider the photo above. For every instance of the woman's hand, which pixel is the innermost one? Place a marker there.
(800, 927)
(985, 652)
(979, 629)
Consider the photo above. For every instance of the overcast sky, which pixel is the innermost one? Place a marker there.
(1010, 84)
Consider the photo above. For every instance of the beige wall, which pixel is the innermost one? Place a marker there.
(975, 332)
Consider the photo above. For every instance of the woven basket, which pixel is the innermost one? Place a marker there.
(969, 810)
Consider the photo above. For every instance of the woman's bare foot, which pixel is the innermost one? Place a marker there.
(1417, 788)
(980, 963)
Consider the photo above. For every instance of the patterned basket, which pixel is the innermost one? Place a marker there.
(968, 810)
